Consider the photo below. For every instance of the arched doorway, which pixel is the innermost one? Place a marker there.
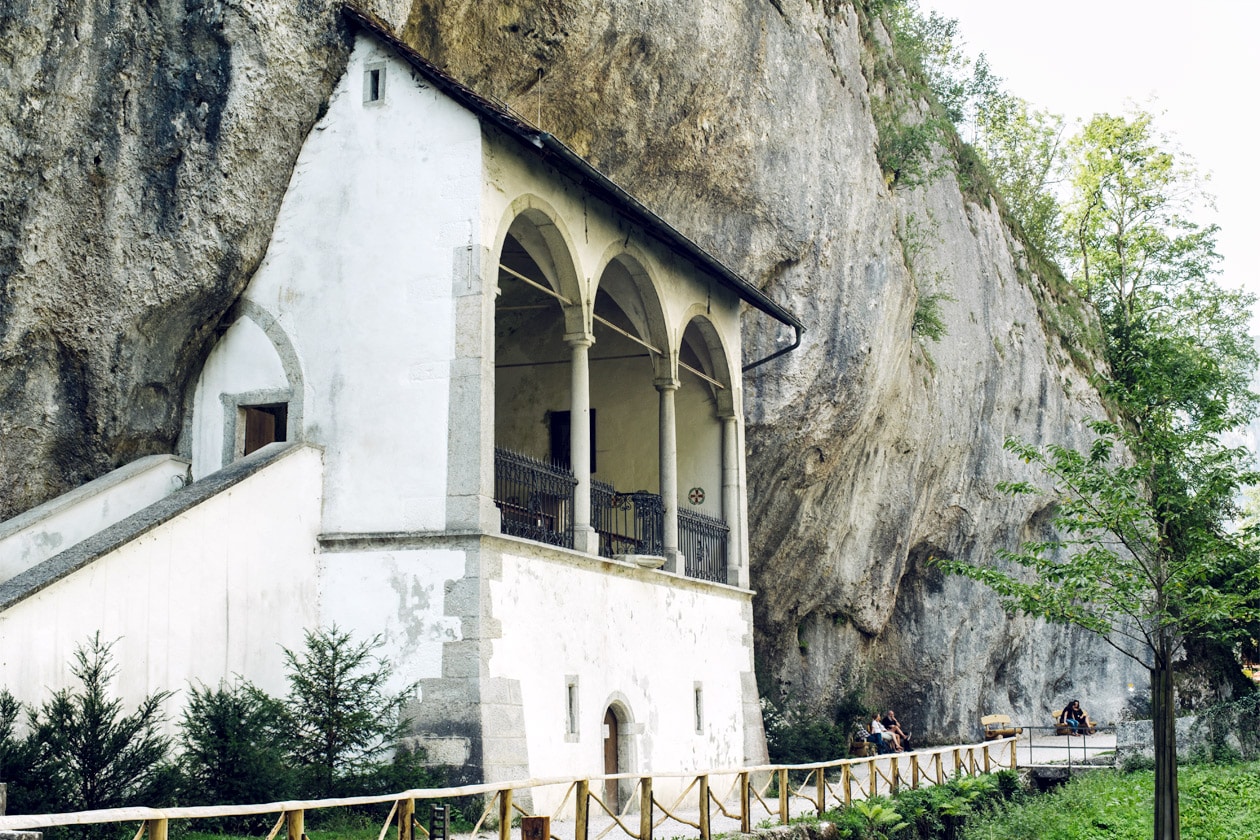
(612, 760)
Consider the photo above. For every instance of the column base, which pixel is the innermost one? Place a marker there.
(675, 561)
(585, 539)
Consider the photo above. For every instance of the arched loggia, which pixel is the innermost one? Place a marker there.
(540, 352)
(708, 455)
(630, 330)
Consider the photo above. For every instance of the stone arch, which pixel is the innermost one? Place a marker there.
(541, 232)
(702, 337)
(631, 348)
(532, 330)
(623, 274)
(291, 392)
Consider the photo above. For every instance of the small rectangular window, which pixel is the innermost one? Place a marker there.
(571, 708)
(374, 83)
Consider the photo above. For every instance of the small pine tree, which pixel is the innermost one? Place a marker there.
(94, 755)
(341, 722)
(233, 750)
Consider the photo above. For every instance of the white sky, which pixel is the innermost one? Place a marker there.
(1199, 60)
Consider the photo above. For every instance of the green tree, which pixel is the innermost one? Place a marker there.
(233, 749)
(1141, 551)
(341, 721)
(90, 752)
(1024, 151)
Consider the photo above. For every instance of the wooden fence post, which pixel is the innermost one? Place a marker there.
(745, 809)
(820, 782)
(704, 808)
(295, 822)
(645, 808)
(156, 829)
(505, 814)
(895, 783)
(914, 771)
(406, 811)
(986, 757)
(580, 805)
(846, 779)
(535, 828)
(785, 794)
(1014, 758)
(874, 776)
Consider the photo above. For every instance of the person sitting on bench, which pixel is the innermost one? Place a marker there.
(891, 723)
(1074, 716)
(888, 741)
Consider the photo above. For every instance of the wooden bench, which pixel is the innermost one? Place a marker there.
(998, 726)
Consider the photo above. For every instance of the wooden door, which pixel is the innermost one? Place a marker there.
(264, 424)
(610, 760)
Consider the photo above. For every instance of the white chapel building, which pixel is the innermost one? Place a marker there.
(477, 400)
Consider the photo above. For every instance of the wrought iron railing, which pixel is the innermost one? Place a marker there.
(535, 498)
(535, 501)
(627, 523)
(702, 540)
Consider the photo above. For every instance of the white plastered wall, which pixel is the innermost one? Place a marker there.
(399, 595)
(213, 592)
(699, 446)
(243, 361)
(359, 276)
(627, 635)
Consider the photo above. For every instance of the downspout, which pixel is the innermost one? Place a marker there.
(777, 353)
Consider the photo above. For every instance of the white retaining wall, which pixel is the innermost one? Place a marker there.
(41, 532)
(213, 592)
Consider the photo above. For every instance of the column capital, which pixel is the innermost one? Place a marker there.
(666, 383)
(579, 339)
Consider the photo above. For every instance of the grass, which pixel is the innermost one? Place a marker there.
(1218, 802)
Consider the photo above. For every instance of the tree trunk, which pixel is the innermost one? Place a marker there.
(1167, 804)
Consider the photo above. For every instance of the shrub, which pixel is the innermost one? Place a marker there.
(233, 750)
(83, 753)
(340, 720)
(797, 736)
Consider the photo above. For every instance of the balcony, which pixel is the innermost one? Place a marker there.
(536, 502)
(535, 499)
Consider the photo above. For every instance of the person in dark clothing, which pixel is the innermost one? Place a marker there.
(1074, 716)
(891, 723)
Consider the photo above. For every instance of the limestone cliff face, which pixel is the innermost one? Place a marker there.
(144, 150)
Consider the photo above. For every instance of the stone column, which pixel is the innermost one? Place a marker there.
(730, 497)
(584, 537)
(669, 476)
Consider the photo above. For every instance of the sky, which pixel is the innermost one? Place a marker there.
(1198, 60)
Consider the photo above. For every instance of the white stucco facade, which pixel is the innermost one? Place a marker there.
(438, 291)
(215, 591)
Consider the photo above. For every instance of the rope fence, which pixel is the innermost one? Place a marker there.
(749, 791)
